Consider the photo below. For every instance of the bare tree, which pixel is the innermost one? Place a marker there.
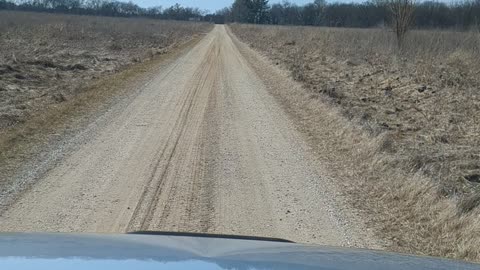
(402, 17)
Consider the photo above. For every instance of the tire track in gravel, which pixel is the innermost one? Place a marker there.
(158, 184)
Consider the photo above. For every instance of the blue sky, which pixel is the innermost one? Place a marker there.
(211, 5)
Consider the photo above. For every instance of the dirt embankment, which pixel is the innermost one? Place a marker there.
(402, 129)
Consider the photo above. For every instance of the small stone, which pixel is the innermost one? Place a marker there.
(475, 178)
(422, 88)
(20, 77)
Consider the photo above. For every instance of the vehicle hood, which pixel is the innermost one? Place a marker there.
(132, 251)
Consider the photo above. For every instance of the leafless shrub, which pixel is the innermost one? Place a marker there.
(401, 12)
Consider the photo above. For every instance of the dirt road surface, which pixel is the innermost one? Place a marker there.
(203, 147)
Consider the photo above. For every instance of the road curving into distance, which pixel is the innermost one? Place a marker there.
(203, 147)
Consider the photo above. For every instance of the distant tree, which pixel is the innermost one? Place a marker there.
(400, 14)
(224, 15)
(276, 16)
(401, 17)
(4, 4)
(129, 9)
(309, 15)
(94, 4)
(292, 13)
(370, 14)
(468, 13)
(319, 7)
(250, 11)
(259, 11)
(242, 11)
(177, 12)
(173, 12)
(154, 12)
(434, 14)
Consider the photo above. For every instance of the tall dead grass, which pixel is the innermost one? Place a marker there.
(58, 68)
(94, 30)
(400, 129)
(48, 58)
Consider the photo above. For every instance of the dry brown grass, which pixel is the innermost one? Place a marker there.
(47, 58)
(69, 71)
(21, 145)
(401, 130)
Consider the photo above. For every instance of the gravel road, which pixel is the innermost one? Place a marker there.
(203, 147)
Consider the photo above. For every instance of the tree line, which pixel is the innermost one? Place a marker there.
(104, 8)
(427, 14)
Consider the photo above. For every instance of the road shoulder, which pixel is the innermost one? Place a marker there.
(282, 88)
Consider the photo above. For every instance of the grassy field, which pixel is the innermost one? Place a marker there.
(56, 71)
(410, 148)
(47, 58)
